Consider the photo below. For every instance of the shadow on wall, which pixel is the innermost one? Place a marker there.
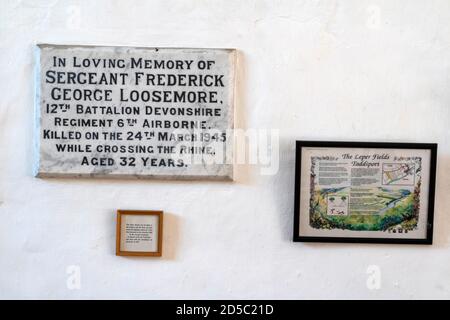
(283, 185)
(171, 236)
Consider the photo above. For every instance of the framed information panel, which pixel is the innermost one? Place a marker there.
(364, 192)
(139, 233)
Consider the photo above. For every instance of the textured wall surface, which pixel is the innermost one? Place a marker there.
(330, 70)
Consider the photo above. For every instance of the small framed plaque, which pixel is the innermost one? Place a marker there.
(364, 192)
(139, 233)
(134, 112)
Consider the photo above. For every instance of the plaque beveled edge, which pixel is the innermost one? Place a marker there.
(36, 139)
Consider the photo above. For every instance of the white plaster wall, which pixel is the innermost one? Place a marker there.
(331, 70)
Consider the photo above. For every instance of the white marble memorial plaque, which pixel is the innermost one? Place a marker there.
(134, 112)
(139, 233)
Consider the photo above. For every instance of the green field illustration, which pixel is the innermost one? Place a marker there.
(381, 208)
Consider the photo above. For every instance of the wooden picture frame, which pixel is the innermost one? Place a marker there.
(157, 252)
(405, 218)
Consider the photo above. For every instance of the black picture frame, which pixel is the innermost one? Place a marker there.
(372, 145)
